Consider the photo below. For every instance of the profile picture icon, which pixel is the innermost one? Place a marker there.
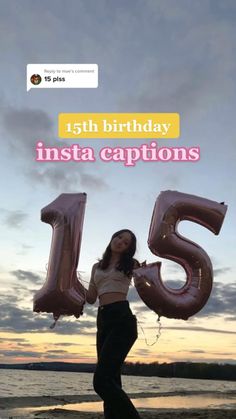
(35, 79)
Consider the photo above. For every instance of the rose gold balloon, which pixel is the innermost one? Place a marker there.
(62, 292)
(165, 241)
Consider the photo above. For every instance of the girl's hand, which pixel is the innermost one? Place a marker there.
(140, 281)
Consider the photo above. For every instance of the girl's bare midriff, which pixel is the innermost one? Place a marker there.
(111, 297)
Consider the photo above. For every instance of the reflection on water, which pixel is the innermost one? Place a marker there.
(174, 402)
(206, 401)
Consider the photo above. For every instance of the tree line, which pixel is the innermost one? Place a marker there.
(198, 370)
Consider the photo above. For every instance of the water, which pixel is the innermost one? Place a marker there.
(171, 392)
(20, 383)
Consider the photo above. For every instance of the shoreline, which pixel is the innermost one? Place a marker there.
(144, 414)
(12, 402)
(39, 408)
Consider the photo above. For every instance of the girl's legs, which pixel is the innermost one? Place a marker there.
(101, 336)
(109, 413)
(117, 332)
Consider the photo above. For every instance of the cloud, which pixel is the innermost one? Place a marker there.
(21, 354)
(67, 344)
(19, 341)
(55, 177)
(26, 246)
(200, 329)
(24, 249)
(133, 295)
(200, 351)
(16, 318)
(230, 318)
(14, 218)
(220, 303)
(37, 121)
(23, 345)
(71, 180)
(210, 360)
(142, 352)
(18, 315)
(36, 354)
(22, 275)
(23, 128)
(172, 181)
(221, 271)
(92, 181)
(205, 42)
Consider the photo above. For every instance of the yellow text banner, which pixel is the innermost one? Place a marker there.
(118, 125)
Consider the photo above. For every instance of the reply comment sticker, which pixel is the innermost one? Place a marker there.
(43, 76)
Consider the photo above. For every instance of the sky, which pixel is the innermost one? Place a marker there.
(153, 56)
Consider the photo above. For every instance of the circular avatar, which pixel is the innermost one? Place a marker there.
(35, 79)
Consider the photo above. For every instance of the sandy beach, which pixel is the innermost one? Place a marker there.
(158, 414)
(30, 408)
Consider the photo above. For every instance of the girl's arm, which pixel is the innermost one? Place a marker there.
(91, 294)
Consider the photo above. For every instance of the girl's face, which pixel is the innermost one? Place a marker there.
(121, 243)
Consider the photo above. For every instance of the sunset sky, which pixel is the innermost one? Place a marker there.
(153, 56)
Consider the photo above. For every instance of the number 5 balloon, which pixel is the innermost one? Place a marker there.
(62, 292)
(165, 241)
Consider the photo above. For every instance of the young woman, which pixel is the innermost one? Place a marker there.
(116, 325)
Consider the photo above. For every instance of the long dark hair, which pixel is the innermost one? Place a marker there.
(126, 262)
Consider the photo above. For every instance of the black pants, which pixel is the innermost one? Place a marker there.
(116, 334)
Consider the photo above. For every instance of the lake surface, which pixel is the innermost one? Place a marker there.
(169, 392)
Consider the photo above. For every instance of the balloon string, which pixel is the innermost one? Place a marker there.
(82, 280)
(56, 317)
(53, 324)
(158, 318)
(157, 335)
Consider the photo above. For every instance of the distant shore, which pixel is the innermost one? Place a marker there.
(192, 370)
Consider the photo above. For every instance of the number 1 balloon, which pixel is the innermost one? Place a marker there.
(62, 292)
(164, 240)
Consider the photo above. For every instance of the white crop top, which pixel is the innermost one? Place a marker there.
(110, 280)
